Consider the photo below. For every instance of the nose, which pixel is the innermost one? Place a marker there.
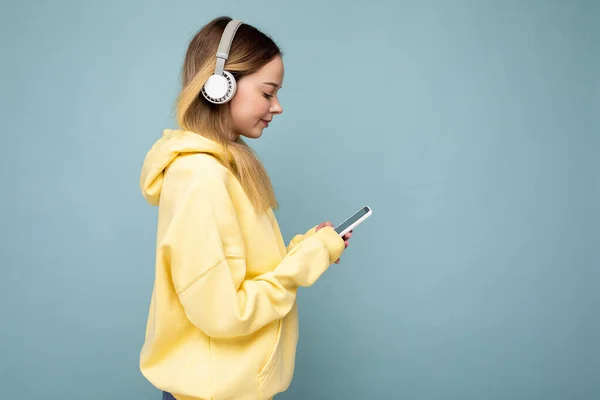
(276, 107)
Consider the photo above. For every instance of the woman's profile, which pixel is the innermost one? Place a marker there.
(223, 320)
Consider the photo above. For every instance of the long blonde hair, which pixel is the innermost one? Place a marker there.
(250, 50)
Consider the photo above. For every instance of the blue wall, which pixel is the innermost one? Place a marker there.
(471, 128)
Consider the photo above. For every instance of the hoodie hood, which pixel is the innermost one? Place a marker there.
(165, 150)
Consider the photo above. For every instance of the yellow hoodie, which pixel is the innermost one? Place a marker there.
(223, 320)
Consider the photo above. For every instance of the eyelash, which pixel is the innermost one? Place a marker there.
(267, 96)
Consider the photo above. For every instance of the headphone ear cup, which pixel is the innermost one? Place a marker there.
(219, 89)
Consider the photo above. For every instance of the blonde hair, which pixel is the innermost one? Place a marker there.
(250, 50)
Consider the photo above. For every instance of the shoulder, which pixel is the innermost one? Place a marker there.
(195, 175)
(198, 167)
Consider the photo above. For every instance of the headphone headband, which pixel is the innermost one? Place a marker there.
(225, 44)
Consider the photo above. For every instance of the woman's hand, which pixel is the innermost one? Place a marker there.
(346, 237)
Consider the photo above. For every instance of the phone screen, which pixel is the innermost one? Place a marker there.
(359, 214)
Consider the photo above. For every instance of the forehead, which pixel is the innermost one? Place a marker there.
(273, 71)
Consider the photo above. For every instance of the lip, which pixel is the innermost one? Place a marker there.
(265, 122)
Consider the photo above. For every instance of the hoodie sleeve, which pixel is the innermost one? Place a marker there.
(207, 278)
(299, 238)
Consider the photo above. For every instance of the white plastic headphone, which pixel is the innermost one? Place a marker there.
(221, 85)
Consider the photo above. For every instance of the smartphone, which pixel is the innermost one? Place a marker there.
(354, 221)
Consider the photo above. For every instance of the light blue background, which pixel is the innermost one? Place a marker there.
(470, 127)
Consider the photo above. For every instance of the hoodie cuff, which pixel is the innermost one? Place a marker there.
(311, 231)
(333, 242)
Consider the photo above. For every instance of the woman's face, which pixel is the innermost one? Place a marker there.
(255, 101)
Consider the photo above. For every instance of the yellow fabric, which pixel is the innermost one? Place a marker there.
(223, 320)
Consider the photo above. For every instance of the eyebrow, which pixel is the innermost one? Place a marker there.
(272, 84)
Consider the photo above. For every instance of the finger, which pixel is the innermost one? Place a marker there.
(324, 224)
(346, 244)
(337, 261)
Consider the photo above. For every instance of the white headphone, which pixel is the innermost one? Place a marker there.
(221, 86)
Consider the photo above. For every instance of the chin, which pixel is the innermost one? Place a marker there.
(252, 135)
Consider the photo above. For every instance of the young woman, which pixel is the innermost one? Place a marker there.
(223, 320)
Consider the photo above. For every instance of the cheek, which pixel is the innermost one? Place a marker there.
(245, 110)
(238, 111)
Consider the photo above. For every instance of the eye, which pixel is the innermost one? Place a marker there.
(267, 95)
